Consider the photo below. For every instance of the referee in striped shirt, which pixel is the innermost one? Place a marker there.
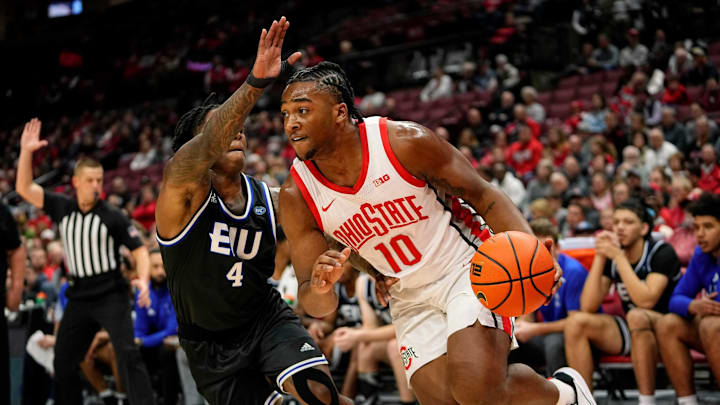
(92, 232)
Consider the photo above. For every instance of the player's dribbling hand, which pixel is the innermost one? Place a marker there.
(30, 138)
(327, 270)
(268, 62)
(558, 272)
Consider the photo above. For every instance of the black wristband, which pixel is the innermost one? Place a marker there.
(262, 83)
(259, 83)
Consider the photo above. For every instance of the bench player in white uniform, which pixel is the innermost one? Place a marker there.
(371, 184)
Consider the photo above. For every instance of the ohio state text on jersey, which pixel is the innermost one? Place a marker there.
(391, 218)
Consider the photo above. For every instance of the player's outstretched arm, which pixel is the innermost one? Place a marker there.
(185, 179)
(316, 266)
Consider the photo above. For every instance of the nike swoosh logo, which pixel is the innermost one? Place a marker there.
(328, 206)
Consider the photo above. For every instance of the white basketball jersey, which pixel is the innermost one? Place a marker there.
(394, 220)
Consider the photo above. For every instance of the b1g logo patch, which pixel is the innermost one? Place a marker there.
(407, 354)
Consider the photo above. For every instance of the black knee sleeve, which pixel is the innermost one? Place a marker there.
(301, 379)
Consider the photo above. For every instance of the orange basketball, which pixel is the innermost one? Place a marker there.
(512, 273)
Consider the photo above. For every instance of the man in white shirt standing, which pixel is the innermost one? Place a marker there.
(634, 53)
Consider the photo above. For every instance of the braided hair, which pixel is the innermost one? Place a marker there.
(331, 78)
(190, 122)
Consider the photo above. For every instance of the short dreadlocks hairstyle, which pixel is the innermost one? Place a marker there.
(330, 77)
(190, 122)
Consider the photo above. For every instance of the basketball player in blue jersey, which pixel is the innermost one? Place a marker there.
(217, 233)
(373, 185)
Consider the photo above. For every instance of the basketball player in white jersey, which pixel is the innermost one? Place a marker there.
(373, 185)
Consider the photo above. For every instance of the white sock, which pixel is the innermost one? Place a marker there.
(106, 393)
(688, 400)
(646, 399)
(567, 393)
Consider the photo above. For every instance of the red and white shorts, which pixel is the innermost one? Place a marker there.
(426, 316)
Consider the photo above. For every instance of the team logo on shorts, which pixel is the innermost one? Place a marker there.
(407, 354)
(259, 210)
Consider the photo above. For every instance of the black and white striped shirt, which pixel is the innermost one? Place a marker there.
(91, 242)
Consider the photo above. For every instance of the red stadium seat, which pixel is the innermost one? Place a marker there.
(544, 98)
(694, 93)
(559, 110)
(464, 99)
(613, 75)
(608, 89)
(564, 95)
(683, 113)
(714, 49)
(586, 92)
(569, 82)
(593, 78)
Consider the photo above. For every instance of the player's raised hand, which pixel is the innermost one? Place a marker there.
(327, 270)
(30, 139)
(268, 62)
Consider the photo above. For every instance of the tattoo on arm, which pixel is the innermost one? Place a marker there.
(222, 127)
(484, 214)
(192, 162)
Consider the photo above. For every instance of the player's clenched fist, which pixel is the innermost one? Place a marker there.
(327, 270)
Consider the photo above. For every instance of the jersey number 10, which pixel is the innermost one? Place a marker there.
(408, 256)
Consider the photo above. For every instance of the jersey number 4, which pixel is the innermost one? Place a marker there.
(404, 249)
(235, 274)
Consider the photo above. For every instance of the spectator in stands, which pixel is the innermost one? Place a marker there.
(583, 63)
(503, 114)
(573, 171)
(576, 110)
(474, 121)
(37, 286)
(649, 107)
(700, 132)
(695, 322)
(144, 212)
(606, 54)
(560, 186)
(702, 69)
(606, 220)
(372, 101)
(675, 92)
(56, 258)
(710, 98)
(674, 213)
(466, 83)
(644, 272)
(155, 328)
(543, 340)
(532, 107)
(600, 193)
(660, 150)
(674, 132)
(539, 186)
(310, 56)
(525, 153)
(508, 75)
(680, 63)
(440, 86)
(660, 51)
(621, 193)
(467, 139)
(520, 117)
(508, 183)
(574, 220)
(39, 263)
(119, 188)
(586, 18)
(376, 343)
(614, 131)
(558, 147)
(593, 120)
(486, 79)
(710, 178)
(677, 164)
(146, 156)
(542, 208)
(634, 54)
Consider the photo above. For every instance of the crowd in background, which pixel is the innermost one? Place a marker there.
(654, 136)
